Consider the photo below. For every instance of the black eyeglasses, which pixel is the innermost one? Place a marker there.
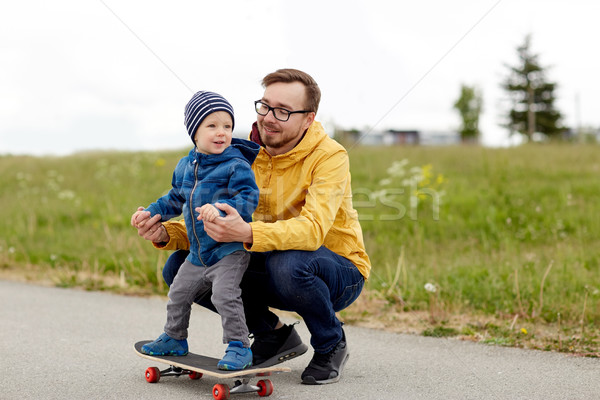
(279, 113)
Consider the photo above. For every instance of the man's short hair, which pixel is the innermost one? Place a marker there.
(289, 75)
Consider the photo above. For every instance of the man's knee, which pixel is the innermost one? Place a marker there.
(289, 264)
(289, 273)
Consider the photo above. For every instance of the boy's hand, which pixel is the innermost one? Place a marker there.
(230, 228)
(140, 217)
(149, 228)
(207, 212)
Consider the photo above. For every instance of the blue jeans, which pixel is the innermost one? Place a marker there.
(314, 284)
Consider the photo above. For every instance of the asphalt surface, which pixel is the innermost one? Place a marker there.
(71, 344)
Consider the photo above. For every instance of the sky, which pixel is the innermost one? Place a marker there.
(115, 75)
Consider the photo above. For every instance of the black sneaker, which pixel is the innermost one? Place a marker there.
(277, 346)
(327, 368)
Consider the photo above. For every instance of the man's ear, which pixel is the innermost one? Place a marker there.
(310, 117)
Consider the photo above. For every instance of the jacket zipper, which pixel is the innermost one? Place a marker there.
(191, 207)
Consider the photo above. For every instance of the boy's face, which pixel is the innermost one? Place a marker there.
(213, 135)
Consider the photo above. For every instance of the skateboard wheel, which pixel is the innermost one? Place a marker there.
(266, 387)
(220, 392)
(152, 375)
(195, 375)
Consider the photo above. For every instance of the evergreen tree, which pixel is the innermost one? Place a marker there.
(469, 105)
(533, 97)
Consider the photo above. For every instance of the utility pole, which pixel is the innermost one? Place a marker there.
(530, 112)
(580, 135)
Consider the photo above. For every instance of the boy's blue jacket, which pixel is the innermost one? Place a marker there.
(211, 178)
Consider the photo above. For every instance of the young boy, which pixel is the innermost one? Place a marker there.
(217, 170)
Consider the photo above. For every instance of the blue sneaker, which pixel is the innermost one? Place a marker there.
(166, 346)
(237, 357)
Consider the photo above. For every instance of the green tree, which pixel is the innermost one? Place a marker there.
(533, 97)
(469, 106)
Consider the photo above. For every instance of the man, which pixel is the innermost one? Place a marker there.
(308, 254)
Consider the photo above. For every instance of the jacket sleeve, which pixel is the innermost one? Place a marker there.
(242, 189)
(307, 231)
(178, 239)
(170, 205)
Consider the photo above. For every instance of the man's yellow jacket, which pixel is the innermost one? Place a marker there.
(305, 202)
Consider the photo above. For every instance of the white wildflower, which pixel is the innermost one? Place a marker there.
(66, 195)
(397, 168)
(378, 194)
(430, 287)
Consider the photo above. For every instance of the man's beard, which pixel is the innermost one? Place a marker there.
(274, 141)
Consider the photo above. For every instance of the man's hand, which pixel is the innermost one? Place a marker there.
(149, 228)
(230, 228)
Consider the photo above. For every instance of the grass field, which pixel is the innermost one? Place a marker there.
(506, 240)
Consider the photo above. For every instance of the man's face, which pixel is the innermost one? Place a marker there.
(279, 137)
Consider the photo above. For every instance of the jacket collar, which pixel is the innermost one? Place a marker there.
(239, 148)
(312, 138)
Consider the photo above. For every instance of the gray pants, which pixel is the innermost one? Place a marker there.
(193, 281)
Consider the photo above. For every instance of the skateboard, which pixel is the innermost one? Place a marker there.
(196, 365)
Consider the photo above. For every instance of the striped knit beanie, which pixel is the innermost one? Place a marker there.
(200, 106)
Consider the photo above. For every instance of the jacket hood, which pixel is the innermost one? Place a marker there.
(248, 149)
(313, 136)
(239, 148)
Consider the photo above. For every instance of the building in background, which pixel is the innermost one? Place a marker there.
(399, 137)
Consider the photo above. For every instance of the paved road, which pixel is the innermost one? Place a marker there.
(71, 344)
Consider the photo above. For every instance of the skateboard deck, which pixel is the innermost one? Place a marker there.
(196, 366)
